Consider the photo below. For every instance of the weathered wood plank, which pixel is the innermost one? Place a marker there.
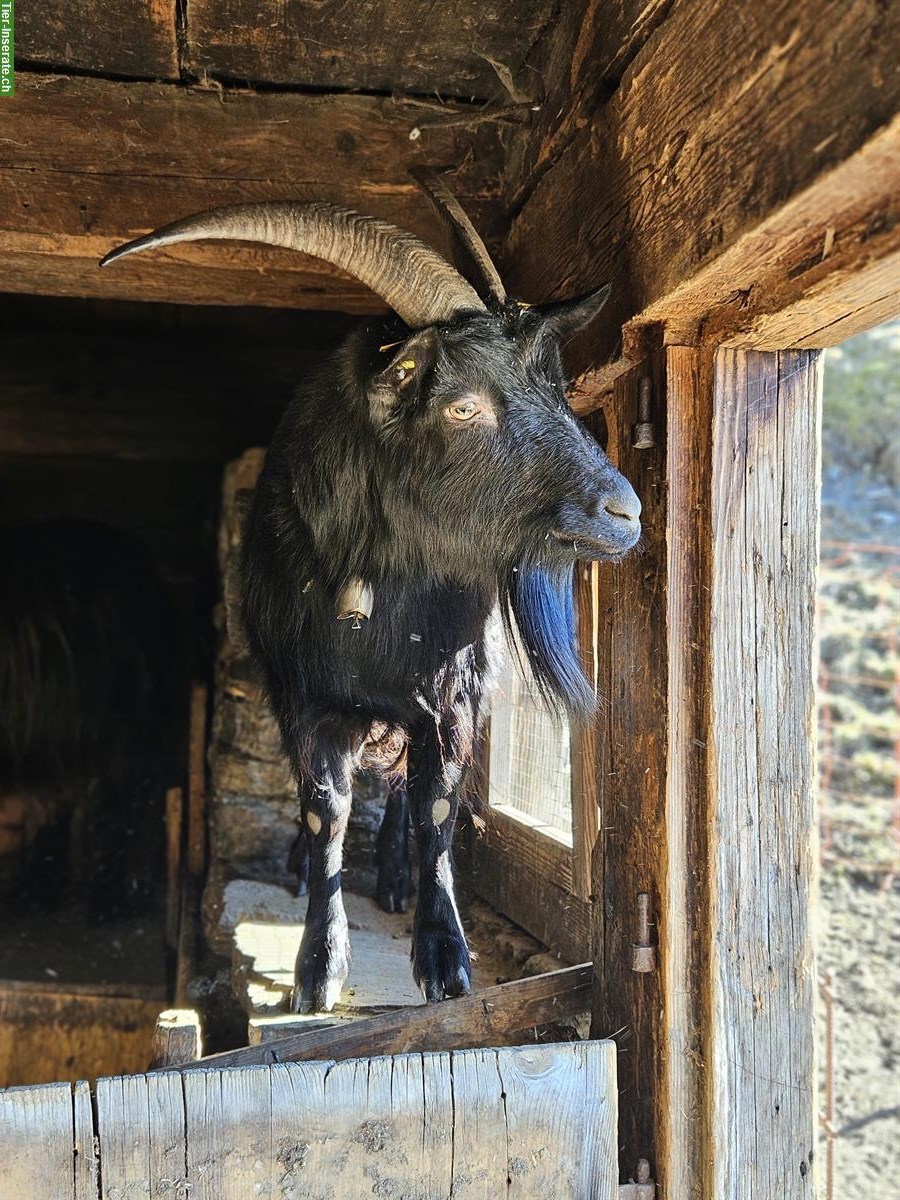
(177, 1038)
(487, 1018)
(630, 744)
(552, 914)
(87, 1164)
(167, 1137)
(123, 1130)
(133, 38)
(375, 45)
(36, 1145)
(682, 1130)
(45, 1036)
(538, 1094)
(526, 1121)
(96, 162)
(716, 126)
(765, 485)
(580, 62)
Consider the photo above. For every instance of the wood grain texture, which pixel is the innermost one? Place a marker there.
(630, 746)
(129, 37)
(47, 1036)
(765, 486)
(87, 1164)
(96, 162)
(718, 123)
(533, 1121)
(36, 1148)
(580, 62)
(177, 1038)
(488, 1018)
(374, 45)
(533, 899)
(682, 1130)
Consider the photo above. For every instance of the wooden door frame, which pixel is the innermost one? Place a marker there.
(801, 270)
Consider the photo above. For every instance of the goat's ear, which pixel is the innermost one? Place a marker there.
(407, 364)
(565, 318)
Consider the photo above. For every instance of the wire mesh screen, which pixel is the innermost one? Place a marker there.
(530, 762)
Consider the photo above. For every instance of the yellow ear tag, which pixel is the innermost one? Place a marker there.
(408, 364)
(522, 304)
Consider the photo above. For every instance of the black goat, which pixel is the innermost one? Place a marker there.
(430, 482)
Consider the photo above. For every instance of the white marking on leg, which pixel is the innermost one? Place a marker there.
(314, 821)
(440, 811)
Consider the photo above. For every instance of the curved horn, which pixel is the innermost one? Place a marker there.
(452, 212)
(413, 279)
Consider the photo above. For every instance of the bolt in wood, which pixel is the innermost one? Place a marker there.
(643, 955)
(643, 431)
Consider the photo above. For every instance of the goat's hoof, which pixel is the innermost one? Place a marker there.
(394, 891)
(442, 966)
(320, 975)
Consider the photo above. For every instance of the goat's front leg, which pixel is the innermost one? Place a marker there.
(323, 960)
(440, 955)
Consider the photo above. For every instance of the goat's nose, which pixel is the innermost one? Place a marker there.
(623, 503)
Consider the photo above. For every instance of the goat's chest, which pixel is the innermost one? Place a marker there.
(418, 641)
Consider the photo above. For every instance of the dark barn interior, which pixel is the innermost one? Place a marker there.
(734, 172)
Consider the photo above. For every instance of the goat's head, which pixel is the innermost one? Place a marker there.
(486, 448)
(485, 471)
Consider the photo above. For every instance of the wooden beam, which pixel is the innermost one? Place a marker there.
(95, 162)
(174, 830)
(473, 48)
(128, 37)
(485, 1019)
(70, 1033)
(691, 168)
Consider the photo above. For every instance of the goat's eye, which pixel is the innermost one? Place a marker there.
(465, 410)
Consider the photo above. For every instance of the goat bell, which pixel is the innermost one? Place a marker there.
(356, 599)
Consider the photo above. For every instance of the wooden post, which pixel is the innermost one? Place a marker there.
(177, 1038)
(630, 740)
(196, 830)
(174, 822)
(738, 1117)
(765, 481)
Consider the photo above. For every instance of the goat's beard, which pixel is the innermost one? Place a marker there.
(538, 602)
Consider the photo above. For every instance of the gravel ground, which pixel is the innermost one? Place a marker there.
(859, 910)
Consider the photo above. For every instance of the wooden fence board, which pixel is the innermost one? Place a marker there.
(86, 1160)
(530, 1121)
(36, 1159)
(123, 1128)
(168, 1157)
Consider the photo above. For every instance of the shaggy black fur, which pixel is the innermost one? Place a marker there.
(457, 524)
